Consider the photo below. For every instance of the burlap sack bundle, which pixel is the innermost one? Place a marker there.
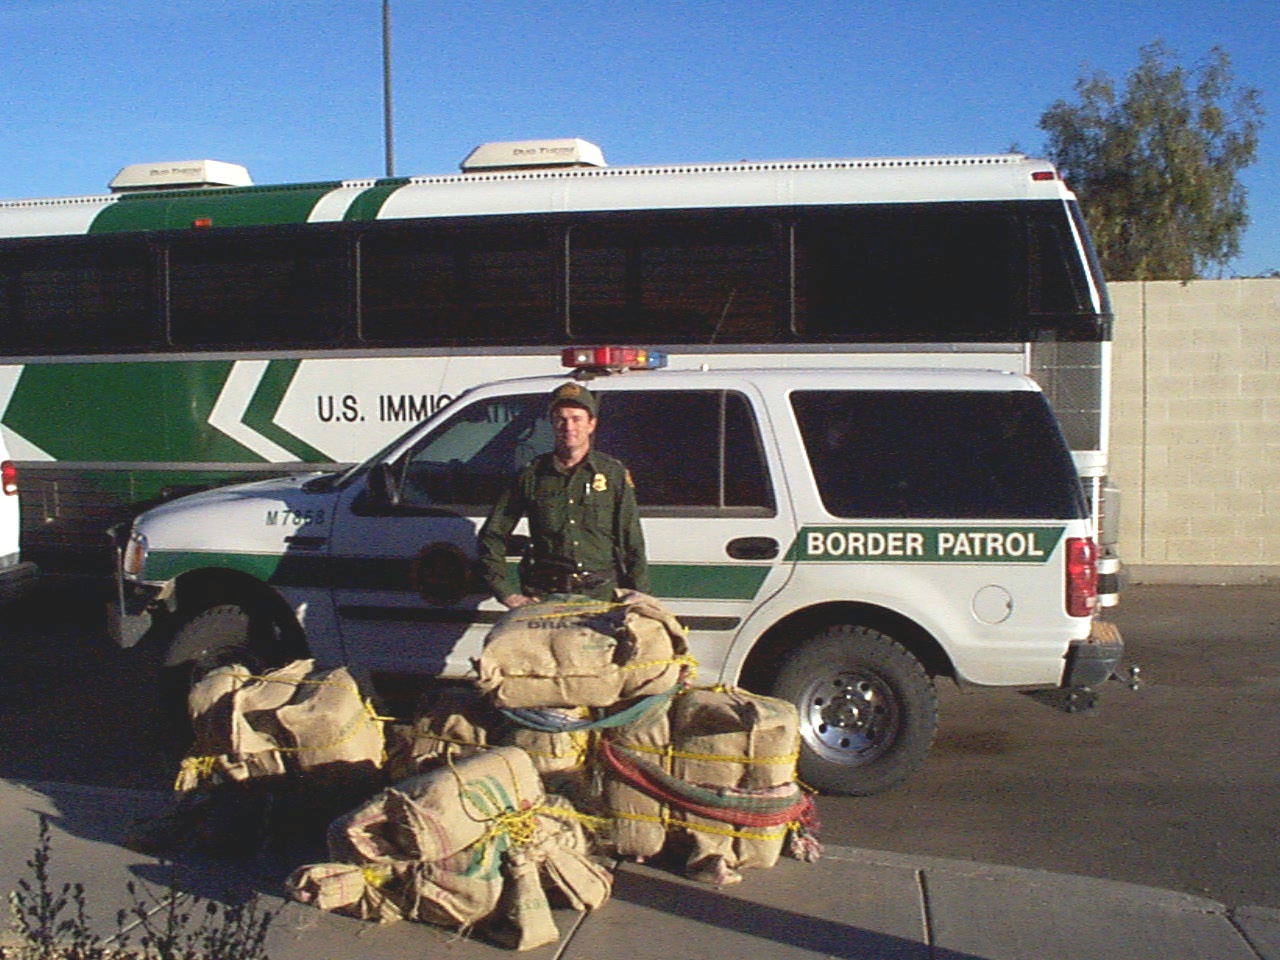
(328, 723)
(453, 723)
(449, 892)
(639, 828)
(747, 746)
(239, 737)
(580, 652)
(554, 856)
(659, 648)
(436, 814)
(458, 891)
(366, 892)
(293, 718)
(497, 852)
(552, 753)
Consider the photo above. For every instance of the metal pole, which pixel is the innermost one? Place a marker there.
(386, 87)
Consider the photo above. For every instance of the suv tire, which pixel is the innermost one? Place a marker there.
(868, 709)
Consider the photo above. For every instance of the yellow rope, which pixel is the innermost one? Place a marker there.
(571, 815)
(580, 607)
(668, 822)
(517, 826)
(682, 660)
(376, 874)
(200, 768)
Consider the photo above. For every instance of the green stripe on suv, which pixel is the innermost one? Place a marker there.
(670, 581)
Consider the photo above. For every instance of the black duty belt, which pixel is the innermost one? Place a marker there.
(543, 580)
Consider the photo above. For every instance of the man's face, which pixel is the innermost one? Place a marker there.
(573, 428)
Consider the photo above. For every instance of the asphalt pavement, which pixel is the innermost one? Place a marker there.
(851, 904)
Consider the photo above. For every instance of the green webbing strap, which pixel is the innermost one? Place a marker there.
(541, 721)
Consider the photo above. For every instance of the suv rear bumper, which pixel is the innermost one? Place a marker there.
(1093, 660)
(17, 580)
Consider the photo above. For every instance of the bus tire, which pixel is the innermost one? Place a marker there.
(868, 709)
(215, 637)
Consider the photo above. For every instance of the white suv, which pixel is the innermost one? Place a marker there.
(838, 537)
(16, 575)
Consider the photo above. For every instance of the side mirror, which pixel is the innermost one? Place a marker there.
(383, 485)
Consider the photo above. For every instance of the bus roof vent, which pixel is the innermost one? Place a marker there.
(183, 174)
(533, 154)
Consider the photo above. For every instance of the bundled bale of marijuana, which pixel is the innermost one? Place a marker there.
(741, 749)
(575, 652)
(720, 774)
(639, 829)
(476, 841)
(451, 723)
(315, 725)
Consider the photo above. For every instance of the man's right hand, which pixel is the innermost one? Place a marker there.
(516, 600)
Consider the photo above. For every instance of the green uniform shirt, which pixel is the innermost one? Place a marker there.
(584, 520)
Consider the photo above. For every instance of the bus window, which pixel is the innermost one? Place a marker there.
(435, 285)
(1057, 274)
(248, 291)
(677, 279)
(76, 298)
(908, 273)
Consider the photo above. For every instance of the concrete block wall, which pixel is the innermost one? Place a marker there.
(1195, 441)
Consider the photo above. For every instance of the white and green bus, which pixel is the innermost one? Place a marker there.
(190, 328)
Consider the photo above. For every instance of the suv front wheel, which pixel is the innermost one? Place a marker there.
(223, 634)
(868, 709)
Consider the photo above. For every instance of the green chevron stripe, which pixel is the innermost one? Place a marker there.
(124, 412)
(259, 415)
(227, 207)
(367, 204)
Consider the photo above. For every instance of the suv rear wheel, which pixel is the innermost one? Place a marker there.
(868, 709)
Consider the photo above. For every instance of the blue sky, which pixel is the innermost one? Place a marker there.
(293, 89)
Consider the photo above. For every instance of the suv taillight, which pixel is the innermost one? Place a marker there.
(1082, 576)
(9, 478)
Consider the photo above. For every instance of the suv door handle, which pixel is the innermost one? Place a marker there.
(752, 548)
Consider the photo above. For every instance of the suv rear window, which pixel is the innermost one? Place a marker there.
(905, 454)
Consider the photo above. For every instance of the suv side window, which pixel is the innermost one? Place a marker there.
(689, 451)
(469, 459)
(902, 454)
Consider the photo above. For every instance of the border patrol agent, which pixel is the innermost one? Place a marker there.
(583, 521)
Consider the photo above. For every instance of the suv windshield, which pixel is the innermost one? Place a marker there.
(938, 455)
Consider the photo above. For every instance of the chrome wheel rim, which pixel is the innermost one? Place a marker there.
(851, 717)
